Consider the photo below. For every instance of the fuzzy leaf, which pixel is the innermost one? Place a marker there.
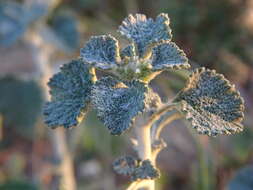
(101, 51)
(128, 51)
(125, 165)
(13, 22)
(168, 55)
(145, 171)
(136, 169)
(70, 91)
(243, 180)
(146, 31)
(211, 103)
(118, 103)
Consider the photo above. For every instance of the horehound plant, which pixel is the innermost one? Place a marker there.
(124, 99)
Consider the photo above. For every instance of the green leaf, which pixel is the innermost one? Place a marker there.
(118, 103)
(70, 95)
(145, 171)
(20, 103)
(167, 56)
(146, 31)
(101, 51)
(211, 103)
(243, 179)
(125, 165)
(18, 185)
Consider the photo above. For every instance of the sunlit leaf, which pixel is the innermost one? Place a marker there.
(128, 51)
(146, 31)
(70, 95)
(101, 51)
(118, 103)
(243, 180)
(167, 55)
(211, 103)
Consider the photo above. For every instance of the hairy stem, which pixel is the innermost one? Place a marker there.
(159, 112)
(144, 150)
(144, 143)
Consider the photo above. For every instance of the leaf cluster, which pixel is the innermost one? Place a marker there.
(208, 101)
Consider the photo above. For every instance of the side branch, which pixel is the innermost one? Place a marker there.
(159, 112)
(166, 122)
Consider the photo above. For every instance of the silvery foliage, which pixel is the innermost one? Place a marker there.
(242, 180)
(209, 101)
(134, 168)
(125, 102)
(70, 91)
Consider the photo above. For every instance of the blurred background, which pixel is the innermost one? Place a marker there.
(37, 36)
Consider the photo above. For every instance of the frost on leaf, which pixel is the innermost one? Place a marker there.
(211, 103)
(118, 103)
(128, 51)
(70, 94)
(13, 22)
(101, 51)
(168, 55)
(146, 31)
(125, 165)
(243, 180)
(145, 170)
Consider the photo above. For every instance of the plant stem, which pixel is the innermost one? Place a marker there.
(144, 143)
(57, 137)
(144, 150)
(159, 112)
(166, 122)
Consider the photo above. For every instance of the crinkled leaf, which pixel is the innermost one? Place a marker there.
(128, 51)
(211, 103)
(168, 55)
(146, 31)
(125, 165)
(101, 51)
(243, 180)
(70, 94)
(13, 22)
(118, 103)
(135, 168)
(145, 170)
